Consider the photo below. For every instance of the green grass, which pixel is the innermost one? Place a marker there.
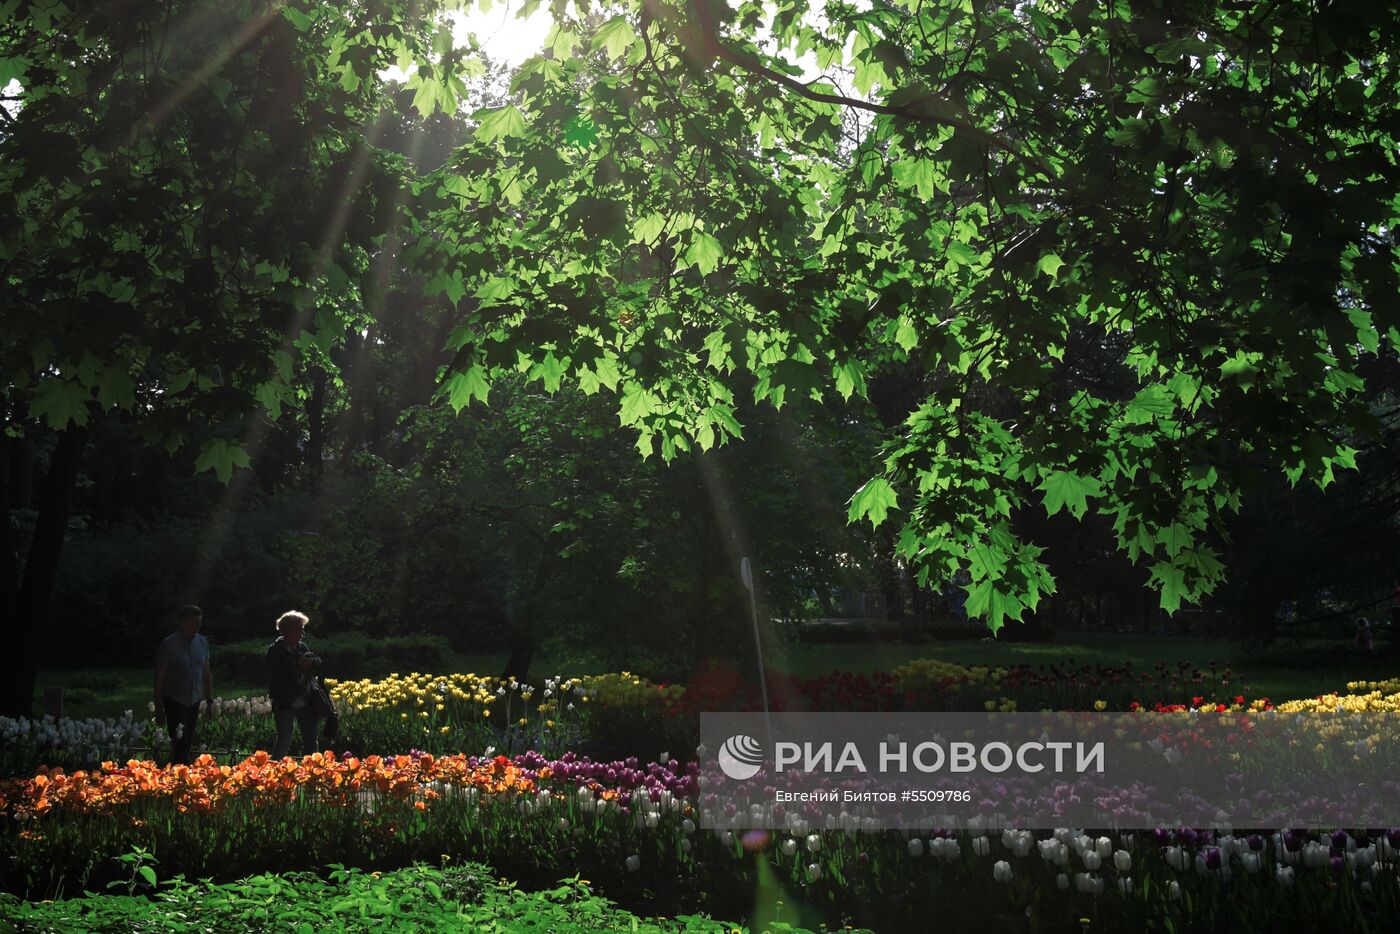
(1301, 668)
(107, 692)
(464, 898)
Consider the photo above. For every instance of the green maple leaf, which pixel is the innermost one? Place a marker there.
(704, 252)
(1172, 582)
(499, 123)
(60, 401)
(875, 500)
(918, 174)
(221, 456)
(580, 131)
(614, 37)
(1068, 490)
(463, 386)
(637, 403)
(1050, 264)
(551, 370)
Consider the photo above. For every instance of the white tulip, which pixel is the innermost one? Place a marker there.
(916, 847)
(1092, 860)
(814, 843)
(1125, 885)
(1105, 847)
(634, 862)
(1174, 890)
(981, 845)
(1001, 871)
(788, 847)
(813, 872)
(1285, 876)
(1122, 860)
(1062, 882)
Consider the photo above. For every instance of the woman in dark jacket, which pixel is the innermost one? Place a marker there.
(292, 668)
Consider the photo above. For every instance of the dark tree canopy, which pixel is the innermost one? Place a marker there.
(1136, 252)
(1124, 258)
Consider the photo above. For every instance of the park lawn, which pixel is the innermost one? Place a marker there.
(109, 692)
(1287, 670)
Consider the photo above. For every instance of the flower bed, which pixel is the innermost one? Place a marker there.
(629, 823)
(630, 826)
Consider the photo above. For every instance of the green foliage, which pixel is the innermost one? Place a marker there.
(423, 897)
(1128, 262)
(1134, 329)
(344, 655)
(176, 239)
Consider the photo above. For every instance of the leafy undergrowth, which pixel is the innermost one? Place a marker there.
(463, 898)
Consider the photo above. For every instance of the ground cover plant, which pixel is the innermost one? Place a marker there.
(462, 897)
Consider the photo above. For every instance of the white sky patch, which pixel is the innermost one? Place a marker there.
(501, 33)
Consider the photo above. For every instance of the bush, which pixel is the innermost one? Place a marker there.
(345, 655)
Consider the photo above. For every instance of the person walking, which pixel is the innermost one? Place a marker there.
(291, 669)
(182, 675)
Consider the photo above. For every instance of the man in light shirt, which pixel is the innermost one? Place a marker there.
(182, 676)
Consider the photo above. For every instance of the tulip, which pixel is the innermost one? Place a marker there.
(1285, 876)
(814, 872)
(634, 862)
(1125, 885)
(1062, 882)
(916, 847)
(1001, 871)
(814, 843)
(789, 847)
(981, 845)
(1122, 860)
(1174, 890)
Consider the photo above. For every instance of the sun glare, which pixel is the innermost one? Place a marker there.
(501, 32)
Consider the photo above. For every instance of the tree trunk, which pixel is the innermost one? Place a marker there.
(9, 548)
(32, 594)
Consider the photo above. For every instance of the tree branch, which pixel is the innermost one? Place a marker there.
(920, 111)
